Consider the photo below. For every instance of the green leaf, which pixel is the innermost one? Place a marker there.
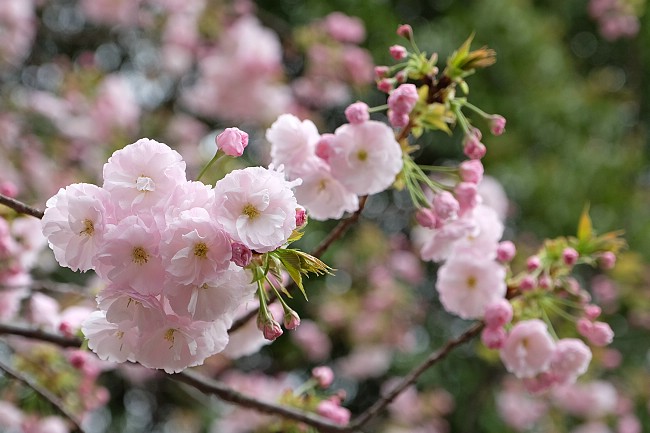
(295, 235)
(585, 228)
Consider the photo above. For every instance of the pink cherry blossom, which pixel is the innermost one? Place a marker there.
(344, 28)
(194, 248)
(323, 375)
(130, 256)
(241, 254)
(570, 360)
(214, 299)
(293, 142)
(142, 175)
(257, 207)
(366, 157)
(110, 341)
(493, 338)
(75, 222)
(529, 349)
(467, 285)
(332, 410)
(498, 314)
(403, 99)
(323, 195)
(506, 251)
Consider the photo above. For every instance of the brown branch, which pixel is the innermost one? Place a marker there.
(209, 386)
(340, 229)
(413, 376)
(20, 207)
(37, 334)
(45, 393)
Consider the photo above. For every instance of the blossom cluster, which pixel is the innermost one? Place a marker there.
(171, 251)
(361, 158)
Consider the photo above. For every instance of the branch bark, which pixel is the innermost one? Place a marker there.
(20, 207)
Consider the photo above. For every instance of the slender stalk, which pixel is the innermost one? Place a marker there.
(217, 156)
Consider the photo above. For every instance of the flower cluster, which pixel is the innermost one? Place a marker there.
(361, 157)
(170, 250)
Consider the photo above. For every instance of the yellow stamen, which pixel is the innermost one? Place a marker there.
(89, 228)
(362, 155)
(140, 256)
(250, 211)
(201, 250)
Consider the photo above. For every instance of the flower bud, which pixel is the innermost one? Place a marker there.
(467, 196)
(493, 338)
(533, 263)
(381, 71)
(497, 124)
(324, 147)
(385, 85)
(426, 218)
(398, 52)
(607, 260)
(291, 320)
(445, 205)
(405, 31)
(331, 410)
(323, 375)
(527, 283)
(241, 254)
(357, 113)
(269, 327)
(398, 119)
(473, 148)
(301, 217)
(403, 99)
(570, 256)
(471, 171)
(506, 251)
(498, 314)
(232, 141)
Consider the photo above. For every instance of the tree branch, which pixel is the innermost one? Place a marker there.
(413, 376)
(20, 207)
(209, 386)
(45, 393)
(37, 334)
(340, 229)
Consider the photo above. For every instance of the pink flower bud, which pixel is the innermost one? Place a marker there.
(493, 338)
(331, 410)
(398, 52)
(301, 217)
(241, 254)
(400, 77)
(357, 113)
(506, 251)
(545, 282)
(8, 189)
(77, 359)
(473, 148)
(385, 85)
(471, 171)
(323, 375)
(498, 314)
(467, 196)
(232, 141)
(527, 283)
(592, 311)
(426, 218)
(584, 326)
(397, 119)
(445, 205)
(601, 334)
(403, 99)
(405, 31)
(570, 256)
(291, 320)
(533, 263)
(497, 124)
(607, 260)
(271, 329)
(381, 71)
(324, 147)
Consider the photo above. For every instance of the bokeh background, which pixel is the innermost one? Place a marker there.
(79, 81)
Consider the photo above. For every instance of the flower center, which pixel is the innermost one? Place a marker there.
(362, 155)
(250, 211)
(169, 336)
(322, 185)
(471, 282)
(89, 228)
(140, 256)
(200, 250)
(145, 183)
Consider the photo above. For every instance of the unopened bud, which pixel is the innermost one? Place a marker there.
(291, 320)
(232, 141)
(405, 31)
(241, 254)
(323, 375)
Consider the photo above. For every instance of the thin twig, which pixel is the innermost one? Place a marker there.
(340, 229)
(225, 393)
(37, 334)
(413, 376)
(20, 207)
(45, 393)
